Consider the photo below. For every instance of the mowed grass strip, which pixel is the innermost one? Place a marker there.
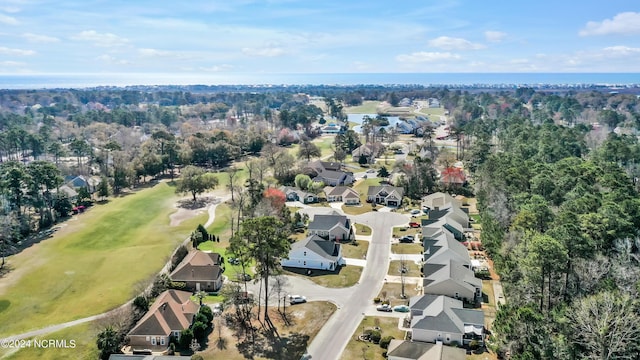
(94, 263)
(77, 342)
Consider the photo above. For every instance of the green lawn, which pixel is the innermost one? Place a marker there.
(407, 248)
(83, 336)
(400, 231)
(367, 107)
(432, 111)
(412, 268)
(355, 249)
(346, 276)
(357, 349)
(363, 230)
(94, 263)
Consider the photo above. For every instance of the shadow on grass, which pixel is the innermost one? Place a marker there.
(312, 273)
(290, 347)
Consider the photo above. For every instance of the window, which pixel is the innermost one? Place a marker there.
(153, 341)
(304, 263)
(305, 253)
(162, 340)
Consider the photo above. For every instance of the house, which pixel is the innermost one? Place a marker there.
(331, 128)
(70, 192)
(439, 200)
(385, 194)
(343, 194)
(333, 227)
(329, 173)
(89, 182)
(416, 350)
(199, 271)
(147, 357)
(295, 194)
(314, 252)
(452, 218)
(434, 103)
(172, 312)
(404, 128)
(369, 150)
(441, 246)
(453, 176)
(452, 278)
(443, 319)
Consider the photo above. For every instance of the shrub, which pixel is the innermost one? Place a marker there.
(141, 303)
(386, 302)
(200, 330)
(208, 313)
(185, 338)
(376, 300)
(384, 342)
(178, 285)
(375, 336)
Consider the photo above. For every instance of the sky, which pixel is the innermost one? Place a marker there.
(318, 36)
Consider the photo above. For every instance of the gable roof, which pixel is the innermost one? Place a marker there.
(453, 175)
(330, 175)
(396, 191)
(198, 266)
(442, 313)
(325, 248)
(173, 310)
(344, 191)
(327, 222)
(300, 193)
(439, 200)
(416, 350)
(450, 270)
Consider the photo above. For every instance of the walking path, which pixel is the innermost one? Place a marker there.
(57, 327)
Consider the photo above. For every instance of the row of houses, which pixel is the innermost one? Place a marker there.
(439, 317)
(384, 194)
(173, 310)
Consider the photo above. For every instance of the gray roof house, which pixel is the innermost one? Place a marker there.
(295, 194)
(329, 173)
(440, 246)
(451, 219)
(416, 350)
(333, 227)
(343, 194)
(451, 278)
(441, 318)
(314, 252)
(385, 194)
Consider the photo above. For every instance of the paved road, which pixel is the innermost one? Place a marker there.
(336, 333)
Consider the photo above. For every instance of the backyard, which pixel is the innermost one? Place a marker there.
(95, 262)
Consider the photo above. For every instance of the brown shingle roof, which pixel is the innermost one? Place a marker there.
(173, 310)
(198, 266)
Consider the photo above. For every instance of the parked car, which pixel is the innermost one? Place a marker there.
(371, 171)
(384, 307)
(406, 239)
(217, 308)
(401, 308)
(297, 299)
(243, 277)
(415, 212)
(414, 224)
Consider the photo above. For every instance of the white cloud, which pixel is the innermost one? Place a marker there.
(451, 43)
(620, 50)
(112, 60)
(623, 23)
(35, 38)
(154, 52)
(264, 52)
(217, 68)
(100, 39)
(494, 36)
(424, 56)
(8, 20)
(12, 63)
(19, 52)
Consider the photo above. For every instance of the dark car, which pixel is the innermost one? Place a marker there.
(406, 239)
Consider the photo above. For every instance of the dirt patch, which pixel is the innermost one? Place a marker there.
(187, 208)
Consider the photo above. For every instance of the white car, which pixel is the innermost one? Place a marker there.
(297, 299)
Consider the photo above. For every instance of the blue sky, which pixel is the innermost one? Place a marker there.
(319, 36)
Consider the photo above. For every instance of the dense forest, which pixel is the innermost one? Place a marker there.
(555, 173)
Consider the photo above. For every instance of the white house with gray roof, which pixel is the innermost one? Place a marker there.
(342, 194)
(451, 278)
(385, 194)
(332, 227)
(441, 318)
(314, 252)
